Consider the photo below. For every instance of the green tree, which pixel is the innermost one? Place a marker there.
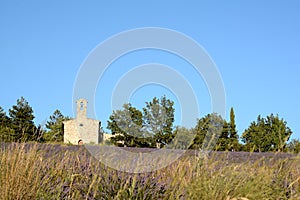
(224, 140)
(183, 138)
(134, 128)
(267, 134)
(2, 114)
(212, 132)
(3, 118)
(6, 132)
(126, 126)
(233, 136)
(21, 116)
(201, 130)
(158, 118)
(294, 146)
(54, 127)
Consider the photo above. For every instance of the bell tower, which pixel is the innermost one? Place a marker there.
(81, 108)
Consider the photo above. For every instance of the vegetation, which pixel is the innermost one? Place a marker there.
(33, 171)
(294, 146)
(155, 125)
(55, 127)
(19, 125)
(53, 171)
(233, 133)
(183, 137)
(213, 132)
(267, 134)
(143, 129)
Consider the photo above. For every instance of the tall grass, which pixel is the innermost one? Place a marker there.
(62, 172)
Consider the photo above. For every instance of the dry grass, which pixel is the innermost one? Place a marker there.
(62, 172)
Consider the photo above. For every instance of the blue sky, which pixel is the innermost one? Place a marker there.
(255, 45)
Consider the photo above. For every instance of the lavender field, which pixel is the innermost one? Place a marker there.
(46, 171)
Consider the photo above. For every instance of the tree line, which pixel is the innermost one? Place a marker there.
(153, 126)
(18, 125)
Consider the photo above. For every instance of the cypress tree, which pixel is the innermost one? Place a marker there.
(233, 136)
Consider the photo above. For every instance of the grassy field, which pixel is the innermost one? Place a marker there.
(40, 171)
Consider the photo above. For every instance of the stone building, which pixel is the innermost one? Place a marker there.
(82, 128)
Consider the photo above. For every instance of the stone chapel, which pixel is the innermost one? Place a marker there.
(82, 129)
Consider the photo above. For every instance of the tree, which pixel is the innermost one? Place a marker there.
(2, 115)
(21, 116)
(143, 129)
(158, 120)
(183, 138)
(126, 126)
(212, 132)
(233, 136)
(6, 132)
(266, 134)
(3, 118)
(54, 127)
(201, 130)
(294, 146)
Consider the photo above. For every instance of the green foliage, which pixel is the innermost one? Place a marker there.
(55, 127)
(21, 121)
(154, 125)
(267, 134)
(183, 138)
(294, 146)
(159, 118)
(3, 116)
(202, 129)
(6, 133)
(212, 129)
(126, 125)
(133, 128)
(234, 144)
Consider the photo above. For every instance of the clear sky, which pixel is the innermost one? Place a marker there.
(255, 45)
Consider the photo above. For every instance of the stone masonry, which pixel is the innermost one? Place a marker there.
(82, 128)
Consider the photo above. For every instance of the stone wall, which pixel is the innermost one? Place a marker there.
(82, 128)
